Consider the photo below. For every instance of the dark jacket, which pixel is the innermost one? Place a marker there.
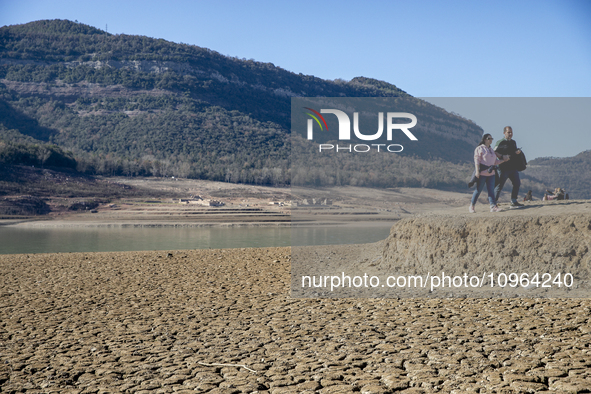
(483, 167)
(515, 162)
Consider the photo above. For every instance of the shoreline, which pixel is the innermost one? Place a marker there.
(179, 224)
(122, 224)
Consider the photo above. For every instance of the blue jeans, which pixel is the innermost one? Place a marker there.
(514, 177)
(489, 181)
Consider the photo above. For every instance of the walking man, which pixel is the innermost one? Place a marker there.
(509, 169)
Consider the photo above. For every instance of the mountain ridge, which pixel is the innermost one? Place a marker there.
(134, 105)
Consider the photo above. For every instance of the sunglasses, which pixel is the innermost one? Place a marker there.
(490, 138)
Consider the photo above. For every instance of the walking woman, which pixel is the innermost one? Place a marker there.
(485, 158)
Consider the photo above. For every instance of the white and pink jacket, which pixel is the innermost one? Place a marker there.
(486, 156)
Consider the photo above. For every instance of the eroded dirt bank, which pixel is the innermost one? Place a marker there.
(526, 253)
(144, 321)
(554, 239)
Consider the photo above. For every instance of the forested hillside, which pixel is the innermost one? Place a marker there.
(570, 173)
(134, 105)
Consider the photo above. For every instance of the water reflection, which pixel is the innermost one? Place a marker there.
(20, 240)
(100, 239)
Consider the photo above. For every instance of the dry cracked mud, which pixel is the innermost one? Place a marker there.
(143, 322)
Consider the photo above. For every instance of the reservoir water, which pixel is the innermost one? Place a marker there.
(15, 239)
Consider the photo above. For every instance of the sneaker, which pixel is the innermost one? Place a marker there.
(471, 209)
(495, 209)
(515, 205)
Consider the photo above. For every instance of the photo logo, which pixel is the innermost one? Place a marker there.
(345, 129)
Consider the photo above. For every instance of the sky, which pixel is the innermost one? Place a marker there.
(428, 48)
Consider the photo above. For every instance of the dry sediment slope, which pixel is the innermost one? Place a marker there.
(539, 238)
